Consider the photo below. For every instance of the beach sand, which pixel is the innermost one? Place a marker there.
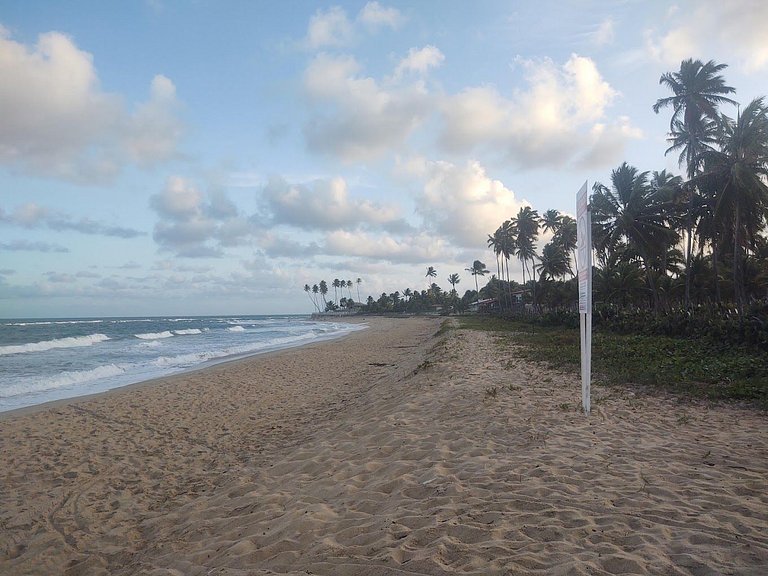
(390, 452)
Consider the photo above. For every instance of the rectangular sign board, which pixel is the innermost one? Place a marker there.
(584, 266)
(584, 250)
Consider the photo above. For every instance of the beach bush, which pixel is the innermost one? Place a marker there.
(688, 367)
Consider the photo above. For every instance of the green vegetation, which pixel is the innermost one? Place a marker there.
(691, 368)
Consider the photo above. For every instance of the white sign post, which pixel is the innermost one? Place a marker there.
(584, 265)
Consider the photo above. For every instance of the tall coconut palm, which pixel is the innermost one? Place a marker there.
(431, 273)
(358, 282)
(308, 290)
(526, 227)
(494, 243)
(453, 279)
(566, 236)
(698, 90)
(738, 170)
(555, 262)
(508, 249)
(478, 269)
(631, 210)
(336, 283)
(551, 221)
(349, 289)
(315, 292)
(323, 292)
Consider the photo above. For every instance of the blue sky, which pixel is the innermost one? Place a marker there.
(212, 157)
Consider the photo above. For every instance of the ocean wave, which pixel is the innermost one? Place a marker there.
(52, 322)
(70, 342)
(195, 358)
(187, 331)
(236, 329)
(155, 335)
(62, 380)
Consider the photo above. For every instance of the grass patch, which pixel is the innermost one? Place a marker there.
(692, 368)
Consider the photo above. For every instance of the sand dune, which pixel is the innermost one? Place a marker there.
(386, 453)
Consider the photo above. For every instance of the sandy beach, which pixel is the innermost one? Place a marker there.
(393, 451)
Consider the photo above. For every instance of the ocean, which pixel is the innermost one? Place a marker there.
(52, 359)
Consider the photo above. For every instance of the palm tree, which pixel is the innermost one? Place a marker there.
(478, 269)
(551, 221)
(526, 227)
(323, 292)
(555, 262)
(738, 170)
(453, 279)
(494, 243)
(508, 249)
(315, 292)
(358, 282)
(431, 273)
(308, 290)
(565, 238)
(631, 210)
(698, 89)
(336, 284)
(619, 278)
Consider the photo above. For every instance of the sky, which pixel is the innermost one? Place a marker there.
(165, 157)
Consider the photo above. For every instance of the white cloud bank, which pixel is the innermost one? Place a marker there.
(558, 119)
(333, 28)
(354, 117)
(58, 122)
(195, 225)
(708, 28)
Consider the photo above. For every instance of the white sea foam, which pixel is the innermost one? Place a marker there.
(70, 342)
(62, 380)
(187, 331)
(155, 335)
(236, 329)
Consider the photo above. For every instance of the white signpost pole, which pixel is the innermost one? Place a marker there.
(584, 263)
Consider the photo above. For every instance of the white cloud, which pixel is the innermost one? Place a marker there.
(153, 130)
(333, 28)
(32, 246)
(734, 31)
(604, 33)
(417, 248)
(375, 15)
(194, 225)
(324, 205)
(420, 60)
(33, 215)
(543, 125)
(58, 122)
(329, 28)
(355, 118)
(180, 200)
(462, 203)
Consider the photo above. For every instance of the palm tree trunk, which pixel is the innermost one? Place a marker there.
(688, 251)
(716, 269)
(738, 280)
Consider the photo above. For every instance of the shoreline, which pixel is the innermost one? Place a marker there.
(6, 414)
(399, 451)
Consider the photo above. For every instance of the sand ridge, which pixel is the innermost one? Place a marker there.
(422, 456)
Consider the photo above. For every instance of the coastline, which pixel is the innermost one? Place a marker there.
(4, 414)
(392, 451)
